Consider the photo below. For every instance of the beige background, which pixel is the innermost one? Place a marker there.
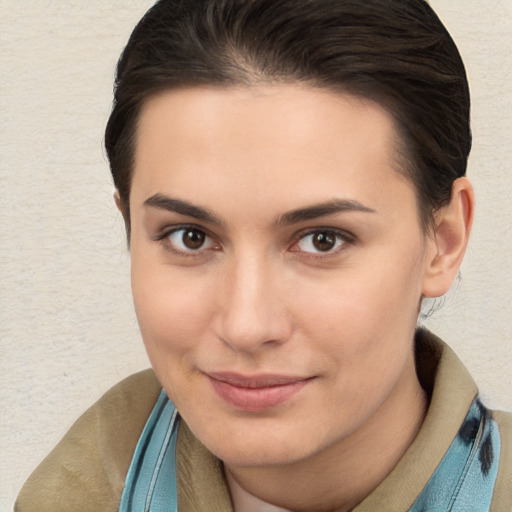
(67, 328)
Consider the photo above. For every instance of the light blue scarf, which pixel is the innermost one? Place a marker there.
(463, 482)
(465, 478)
(151, 480)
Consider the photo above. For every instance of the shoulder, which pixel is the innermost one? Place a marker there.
(87, 469)
(502, 498)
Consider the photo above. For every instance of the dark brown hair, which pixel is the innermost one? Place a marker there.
(394, 52)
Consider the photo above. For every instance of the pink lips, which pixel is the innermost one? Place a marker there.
(256, 393)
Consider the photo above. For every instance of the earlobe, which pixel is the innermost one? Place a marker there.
(449, 240)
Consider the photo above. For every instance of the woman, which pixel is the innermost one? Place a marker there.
(291, 177)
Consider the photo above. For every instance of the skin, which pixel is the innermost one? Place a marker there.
(259, 298)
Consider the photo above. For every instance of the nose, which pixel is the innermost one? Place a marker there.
(253, 312)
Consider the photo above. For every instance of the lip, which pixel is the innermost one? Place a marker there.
(255, 393)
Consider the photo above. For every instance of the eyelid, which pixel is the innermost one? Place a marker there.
(348, 238)
(163, 238)
(164, 233)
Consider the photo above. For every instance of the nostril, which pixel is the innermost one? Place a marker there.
(255, 336)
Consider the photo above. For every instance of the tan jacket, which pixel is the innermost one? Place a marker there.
(87, 469)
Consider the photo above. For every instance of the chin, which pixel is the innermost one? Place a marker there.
(259, 456)
(260, 442)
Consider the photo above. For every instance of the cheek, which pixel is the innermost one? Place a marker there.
(362, 317)
(356, 303)
(172, 307)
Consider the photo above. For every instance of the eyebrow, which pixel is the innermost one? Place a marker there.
(182, 207)
(315, 211)
(322, 210)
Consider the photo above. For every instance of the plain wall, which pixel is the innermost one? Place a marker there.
(67, 327)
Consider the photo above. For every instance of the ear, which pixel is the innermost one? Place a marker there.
(447, 244)
(119, 204)
(125, 213)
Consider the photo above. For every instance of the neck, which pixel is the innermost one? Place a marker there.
(341, 476)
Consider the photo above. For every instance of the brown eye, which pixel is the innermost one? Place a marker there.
(193, 238)
(323, 241)
(189, 240)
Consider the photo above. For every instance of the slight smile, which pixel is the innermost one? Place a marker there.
(255, 393)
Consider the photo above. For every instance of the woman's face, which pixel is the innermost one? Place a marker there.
(277, 266)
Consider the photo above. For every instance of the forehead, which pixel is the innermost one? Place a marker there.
(261, 141)
(297, 114)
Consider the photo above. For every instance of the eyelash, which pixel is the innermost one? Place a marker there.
(163, 239)
(341, 237)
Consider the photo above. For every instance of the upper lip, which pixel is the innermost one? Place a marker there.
(255, 381)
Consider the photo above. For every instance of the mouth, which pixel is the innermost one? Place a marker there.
(255, 393)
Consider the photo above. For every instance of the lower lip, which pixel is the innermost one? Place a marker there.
(256, 399)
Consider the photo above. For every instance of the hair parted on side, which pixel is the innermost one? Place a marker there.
(394, 52)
